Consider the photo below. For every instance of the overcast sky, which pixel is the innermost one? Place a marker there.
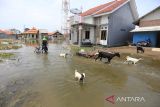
(47, 14)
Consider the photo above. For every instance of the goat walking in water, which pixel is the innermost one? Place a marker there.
(108, 55)
(63, 55)
(140, 48)
(133, 60)
(79, 76)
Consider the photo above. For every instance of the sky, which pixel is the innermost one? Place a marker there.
(47, 14)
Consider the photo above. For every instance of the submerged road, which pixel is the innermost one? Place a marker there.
(47, 80)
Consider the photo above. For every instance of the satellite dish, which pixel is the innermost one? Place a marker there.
(75, 11)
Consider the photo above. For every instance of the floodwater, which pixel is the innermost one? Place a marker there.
(47, 80)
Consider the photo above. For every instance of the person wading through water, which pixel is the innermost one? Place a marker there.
(44, 45)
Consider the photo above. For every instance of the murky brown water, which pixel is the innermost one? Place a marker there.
(41, 80)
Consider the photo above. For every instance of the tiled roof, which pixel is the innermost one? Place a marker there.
(55, 33)
(31, 31)
(51, 33)
(7, 32)
(1, 31)
(104, 8)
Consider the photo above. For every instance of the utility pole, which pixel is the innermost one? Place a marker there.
(65, 13)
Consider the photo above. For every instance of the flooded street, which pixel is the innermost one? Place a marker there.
(47, 80)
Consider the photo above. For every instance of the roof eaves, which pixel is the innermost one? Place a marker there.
(87, 16)
(107, 13)
(146, 29)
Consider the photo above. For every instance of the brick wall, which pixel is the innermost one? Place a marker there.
(148, 23)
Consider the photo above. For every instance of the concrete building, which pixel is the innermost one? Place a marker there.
(55, 35)
(108, 24)
(34, 33)
(149, 28)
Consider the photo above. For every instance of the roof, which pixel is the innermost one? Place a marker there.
(31, 31)
(1, 31)
(54, 33)
(137, 21)
(51, 33)
(146, 29)
(7, 32)
(104, 8)
(57, 33)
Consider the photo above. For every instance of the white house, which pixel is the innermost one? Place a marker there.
(108, 24)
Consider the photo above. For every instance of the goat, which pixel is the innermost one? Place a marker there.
(79, 76)
(63, 54)
(108, 55)
(140, 48)
(133, 60)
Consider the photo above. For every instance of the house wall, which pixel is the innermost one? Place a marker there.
(152, 19)
(144, 36)
(92, 34)
(5, 36)
(88, 20)
(148, 23)
(104, 20)
(32, 36)
(74, 19)
(120, 23)
(101, 21)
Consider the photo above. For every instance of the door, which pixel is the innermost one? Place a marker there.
(103, 38)
(103, 35)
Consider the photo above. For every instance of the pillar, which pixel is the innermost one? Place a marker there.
(80, 35)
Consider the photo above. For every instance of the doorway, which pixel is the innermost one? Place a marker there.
(158, 39)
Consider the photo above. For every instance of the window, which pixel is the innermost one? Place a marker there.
(123, 30)
(103, 34)
(87, 34)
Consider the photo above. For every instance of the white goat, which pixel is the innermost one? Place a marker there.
(133, 60)
(79, 76)
(63, 55)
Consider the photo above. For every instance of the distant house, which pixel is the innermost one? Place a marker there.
(57, 35)
(3, 35)
(31, 33)
(16, 33)
(50, 35)
(7, 34)
(108, 24)
(149, 28)
(34, 33)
